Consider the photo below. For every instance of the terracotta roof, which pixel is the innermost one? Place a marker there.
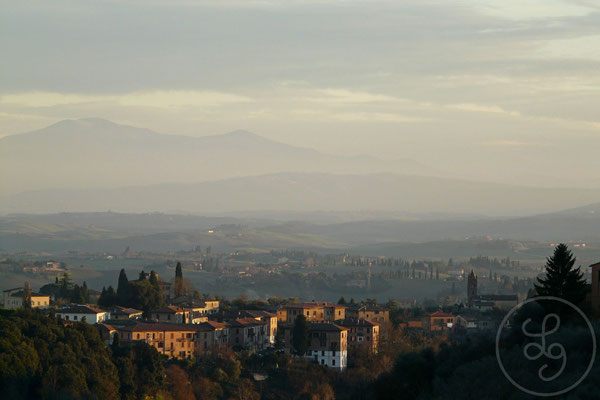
(313, 304)
(211, 326)
(328, 327)
(168, 310)
(108, 327)
(595, 265)
(245, 322)
(366, 307)
(355, 322)
(258, 313)
(117, 310)
(149, 327)
(439, 313)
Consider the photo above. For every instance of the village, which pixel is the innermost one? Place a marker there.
(184, 325)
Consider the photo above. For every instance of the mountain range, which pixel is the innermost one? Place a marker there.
(96, 153)
(97, 165)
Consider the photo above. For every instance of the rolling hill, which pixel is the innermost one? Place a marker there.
(308, 192)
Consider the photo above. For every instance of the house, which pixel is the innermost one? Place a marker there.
(438, 321)
(361, 332)
(264, 316)
(484, 302)
(107, 332)
(414, 323)
(125, 313)
(171, 314)
(14, 298)
(204, 307)
(173, 340)
(472, 323)
(465, 322)
(368, 312)
(313, 311)
(328, 343)
(211, 335)
(91, 315)
(248, 333)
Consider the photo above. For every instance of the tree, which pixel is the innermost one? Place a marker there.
(561, 279)
(342, 300)
(123, 291)
(279, 339)
(178, 383)
(179, 287)
(116, 343)
(300, 335)
(27, 295)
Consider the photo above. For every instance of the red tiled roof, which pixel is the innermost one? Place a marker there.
(439, 313)
(245, 322)
(147, 327)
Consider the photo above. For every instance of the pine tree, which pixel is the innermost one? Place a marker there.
(561, 279)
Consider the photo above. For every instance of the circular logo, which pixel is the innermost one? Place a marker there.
(542, 359)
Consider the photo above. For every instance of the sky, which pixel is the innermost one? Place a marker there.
(500, 90)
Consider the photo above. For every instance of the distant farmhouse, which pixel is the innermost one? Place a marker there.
(17, 298)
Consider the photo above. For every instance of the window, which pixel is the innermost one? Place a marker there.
(323, 361)
(323, 352)
(172, 335)
(333, 362)
(75, 317)
(67, 317)
(138, 335)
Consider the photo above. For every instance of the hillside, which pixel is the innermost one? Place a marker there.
(308, 192)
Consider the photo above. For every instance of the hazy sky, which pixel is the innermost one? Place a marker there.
(484, 85)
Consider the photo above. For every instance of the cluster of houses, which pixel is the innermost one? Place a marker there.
(188, 327)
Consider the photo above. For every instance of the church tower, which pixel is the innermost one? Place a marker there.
(471, 288)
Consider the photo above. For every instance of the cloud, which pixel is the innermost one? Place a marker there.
(470, 107)
(154, 99)
(506, 143)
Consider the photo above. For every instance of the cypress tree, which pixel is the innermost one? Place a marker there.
(178, 280)
(123, 288)
(300, 335)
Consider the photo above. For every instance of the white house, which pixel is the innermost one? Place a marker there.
(92, 315)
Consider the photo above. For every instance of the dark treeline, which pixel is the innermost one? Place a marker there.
(143, 294)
